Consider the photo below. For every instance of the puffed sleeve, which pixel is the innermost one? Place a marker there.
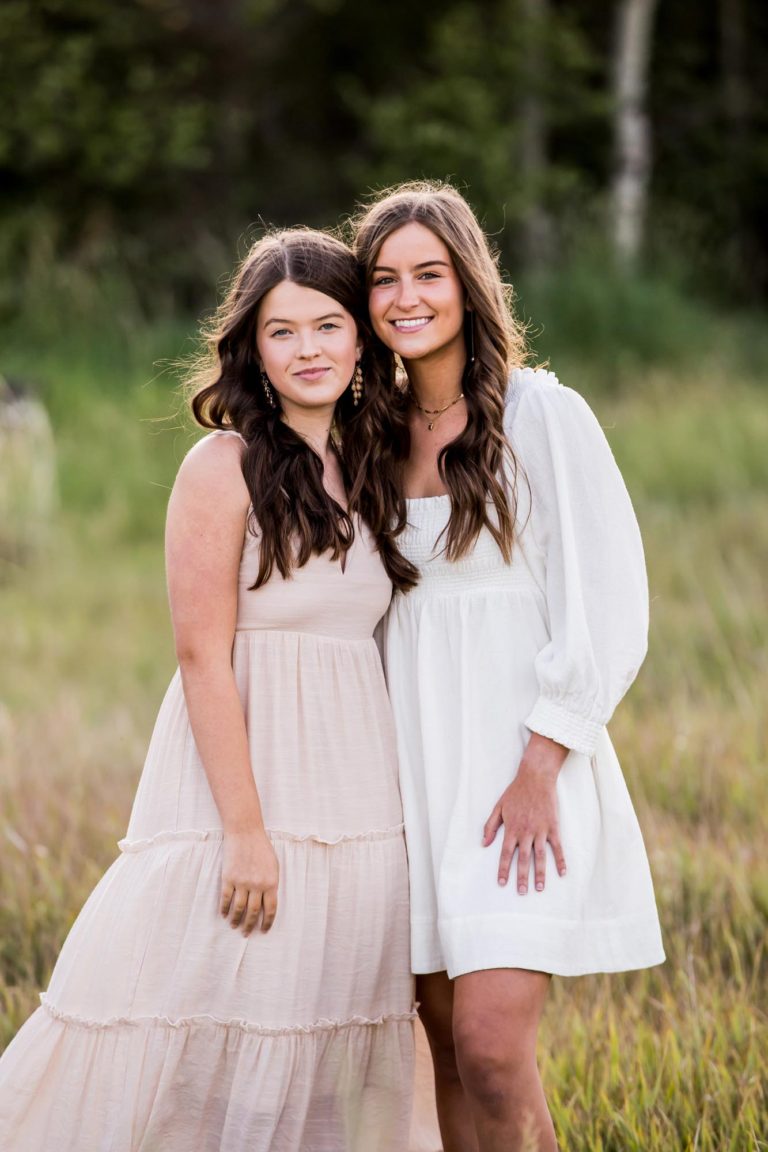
(583, 523)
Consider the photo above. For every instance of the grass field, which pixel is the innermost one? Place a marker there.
(672, 1059)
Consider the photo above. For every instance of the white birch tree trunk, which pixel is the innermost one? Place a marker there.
(632, 130)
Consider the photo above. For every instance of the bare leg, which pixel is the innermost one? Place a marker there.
(435, 995)
(495, 1023)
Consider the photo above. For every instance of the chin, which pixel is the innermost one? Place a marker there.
(327, 400)
(416, 351)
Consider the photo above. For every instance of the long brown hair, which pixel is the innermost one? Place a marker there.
(478, 468)
(293, 513)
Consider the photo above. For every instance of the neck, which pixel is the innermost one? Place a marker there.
(312, 426)
(435, 380)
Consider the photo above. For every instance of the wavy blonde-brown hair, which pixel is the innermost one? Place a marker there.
(478, 468)
(294, 514)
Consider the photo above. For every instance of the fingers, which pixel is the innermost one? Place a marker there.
(492, 826)
(243, 907)
(539, 846)
(252, 915)
(505, 860)
(264, 905)
(239, 906)
(539, 863)
(227, 892)
(524, 864)
(270, 909)
(527, 847)
(557, 852)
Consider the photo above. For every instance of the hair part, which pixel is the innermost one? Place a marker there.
(293, 514)
(478, 468)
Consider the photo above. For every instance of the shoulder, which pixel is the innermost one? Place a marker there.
(523, 381)
(536, 400)
(214, 453)
(212, 471)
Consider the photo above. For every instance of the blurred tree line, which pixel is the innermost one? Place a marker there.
(151, 134)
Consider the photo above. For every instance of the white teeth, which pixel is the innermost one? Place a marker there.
(412, 323)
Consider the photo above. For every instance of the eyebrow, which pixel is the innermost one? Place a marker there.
(317, 320)
(416, 267)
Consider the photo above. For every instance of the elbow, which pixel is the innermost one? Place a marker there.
(187, 657)
(196, 657)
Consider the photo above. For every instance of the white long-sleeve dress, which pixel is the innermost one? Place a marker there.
(481, 654)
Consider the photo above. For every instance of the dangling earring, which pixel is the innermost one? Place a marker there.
(268, 389)
(357, 385)
(471, 336)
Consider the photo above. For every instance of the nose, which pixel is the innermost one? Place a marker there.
(308, 348)
(407, 296)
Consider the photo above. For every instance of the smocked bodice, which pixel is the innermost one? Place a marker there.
(483, 567)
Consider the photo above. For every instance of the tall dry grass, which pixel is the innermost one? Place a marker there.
(666, 1060)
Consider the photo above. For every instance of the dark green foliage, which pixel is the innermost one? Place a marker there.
(150, 135)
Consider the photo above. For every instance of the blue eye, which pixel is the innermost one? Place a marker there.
(382, 281)
(279, 331)
(328, 326)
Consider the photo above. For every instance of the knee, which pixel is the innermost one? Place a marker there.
(489, 1064)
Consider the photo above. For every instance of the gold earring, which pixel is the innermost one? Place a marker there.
(357, 385)
(268, 389)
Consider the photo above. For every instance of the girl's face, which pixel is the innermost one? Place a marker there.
(308, 346)
(416, 299)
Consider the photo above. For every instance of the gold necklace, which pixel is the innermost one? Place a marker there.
(435, 413)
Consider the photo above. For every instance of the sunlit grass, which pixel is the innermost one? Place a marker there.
(666, 1060)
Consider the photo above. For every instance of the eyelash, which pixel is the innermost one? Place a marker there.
(385, 281)
(328, 326)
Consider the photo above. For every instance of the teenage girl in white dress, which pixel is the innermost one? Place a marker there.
(504, 665)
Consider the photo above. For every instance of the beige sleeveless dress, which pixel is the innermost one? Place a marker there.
(165, 1030)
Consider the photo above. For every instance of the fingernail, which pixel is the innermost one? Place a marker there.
(522, 889)
(539, 887)
(502, 880)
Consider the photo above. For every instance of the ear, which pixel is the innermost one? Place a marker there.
(358, 351)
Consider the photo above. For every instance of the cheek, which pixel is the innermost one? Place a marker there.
(452, 309)
(276, 359)
(453, 298)
(347, 359)
(376, 310)
(266, 356)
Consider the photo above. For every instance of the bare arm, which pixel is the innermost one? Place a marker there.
(204, 535)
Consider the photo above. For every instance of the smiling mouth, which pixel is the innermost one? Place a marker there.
(414, 325)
